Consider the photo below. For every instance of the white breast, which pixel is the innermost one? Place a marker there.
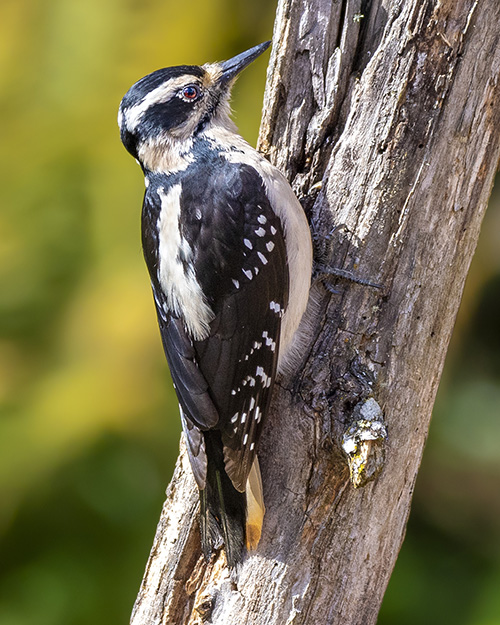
(299, 256)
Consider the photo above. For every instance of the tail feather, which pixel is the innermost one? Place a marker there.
(209, 529)
(255, 506)
(223, 508)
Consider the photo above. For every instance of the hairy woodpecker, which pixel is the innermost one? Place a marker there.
(229, 254)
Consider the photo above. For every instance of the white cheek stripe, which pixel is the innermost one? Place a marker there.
(182, 290)
(162, 93)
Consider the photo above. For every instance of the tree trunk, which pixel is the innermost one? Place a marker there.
(385, 115)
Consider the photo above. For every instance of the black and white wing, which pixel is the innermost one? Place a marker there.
(233, 242)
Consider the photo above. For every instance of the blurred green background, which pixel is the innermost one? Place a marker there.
(88, 425)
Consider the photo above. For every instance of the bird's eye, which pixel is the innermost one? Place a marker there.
(191, 93)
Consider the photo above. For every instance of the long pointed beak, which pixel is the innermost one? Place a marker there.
(232, 67)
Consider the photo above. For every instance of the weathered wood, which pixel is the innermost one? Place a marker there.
(386, 117)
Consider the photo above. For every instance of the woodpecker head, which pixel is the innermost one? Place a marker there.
(164, 111)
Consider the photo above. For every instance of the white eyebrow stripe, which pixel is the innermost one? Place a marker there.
(162, 93)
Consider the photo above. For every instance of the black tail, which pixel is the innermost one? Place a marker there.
(223, 508)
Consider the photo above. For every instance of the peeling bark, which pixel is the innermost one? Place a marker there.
(385, 115)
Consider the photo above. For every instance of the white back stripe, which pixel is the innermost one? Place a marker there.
(182, 290)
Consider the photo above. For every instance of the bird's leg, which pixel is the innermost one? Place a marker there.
(326, 274)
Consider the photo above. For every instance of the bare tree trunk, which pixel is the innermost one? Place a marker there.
(386, 117)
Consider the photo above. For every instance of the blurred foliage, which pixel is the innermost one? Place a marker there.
(88, 420)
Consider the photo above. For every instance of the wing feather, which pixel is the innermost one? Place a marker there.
(238, 252)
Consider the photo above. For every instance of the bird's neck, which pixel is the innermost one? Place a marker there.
(225, 138)
(165, 154)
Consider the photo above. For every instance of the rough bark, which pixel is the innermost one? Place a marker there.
(386, 117)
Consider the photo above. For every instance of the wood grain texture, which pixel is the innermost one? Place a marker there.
(385, 115)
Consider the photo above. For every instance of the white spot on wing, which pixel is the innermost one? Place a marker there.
(162, 309)
(260, 232)
(236, 284)
(270, 246)
(262, 219)
(263, 259)
(297, 240)
(248, 273)
(269, 340)
(248, 244)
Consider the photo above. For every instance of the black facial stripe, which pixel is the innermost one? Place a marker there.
(165, 115)
(129, 140)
